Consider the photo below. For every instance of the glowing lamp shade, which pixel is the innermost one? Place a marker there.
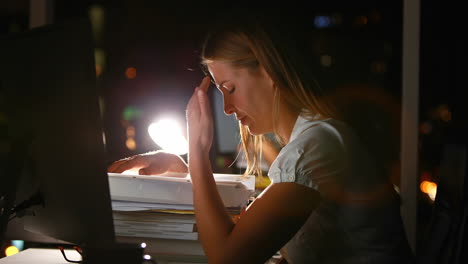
(168, 135)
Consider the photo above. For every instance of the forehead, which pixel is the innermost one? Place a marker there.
(221, 68)
(223, 71)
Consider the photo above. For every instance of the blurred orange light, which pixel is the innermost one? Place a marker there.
(429, 188)
(130, 143)
(11, 250)
(98, 70)
(130, 73)
(131, 131)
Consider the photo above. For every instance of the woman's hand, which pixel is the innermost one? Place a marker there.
(200, 119)
(151, 163)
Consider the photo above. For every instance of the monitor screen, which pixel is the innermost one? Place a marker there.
(226, 127)
(54, 133)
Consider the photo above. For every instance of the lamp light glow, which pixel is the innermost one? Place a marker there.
(11, 250)
(168, 135)
(429, 188)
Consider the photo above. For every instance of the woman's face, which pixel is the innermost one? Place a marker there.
(248, 95)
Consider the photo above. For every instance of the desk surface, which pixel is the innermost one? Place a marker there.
(53, 256)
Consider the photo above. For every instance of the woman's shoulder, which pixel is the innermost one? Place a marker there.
(315, 144)
(309, 133)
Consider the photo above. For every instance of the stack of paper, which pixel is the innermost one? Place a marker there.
(162, 206)
(155, 224)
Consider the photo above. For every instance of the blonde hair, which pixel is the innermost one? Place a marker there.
(248, 46)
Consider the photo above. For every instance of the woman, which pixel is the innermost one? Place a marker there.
(328, 201)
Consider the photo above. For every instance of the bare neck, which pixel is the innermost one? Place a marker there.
(286, 124)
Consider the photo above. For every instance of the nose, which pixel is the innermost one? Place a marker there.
(229, 109)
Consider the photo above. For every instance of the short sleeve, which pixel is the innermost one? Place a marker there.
(314, 158)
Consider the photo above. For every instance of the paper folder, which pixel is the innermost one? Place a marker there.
(176, 188)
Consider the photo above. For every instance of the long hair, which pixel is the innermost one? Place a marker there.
(251, 44)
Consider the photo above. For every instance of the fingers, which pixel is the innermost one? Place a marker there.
(192, 100)
(165, 163)
(205, 84)
(194, 104)
(204, 103)
(202, 97)
(135, 162)
(193, 108)
(153, 169)
(128, 165)
(151, 163)
(117, 166)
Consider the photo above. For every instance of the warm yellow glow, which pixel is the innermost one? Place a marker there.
(11, 250)
(168, 135)
(429, 188)
(130, 143)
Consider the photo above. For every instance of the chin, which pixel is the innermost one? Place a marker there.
(255, 132)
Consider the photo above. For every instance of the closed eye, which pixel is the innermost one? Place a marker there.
(230, 90)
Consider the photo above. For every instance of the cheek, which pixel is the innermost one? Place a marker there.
(254, 98)
(240, 98)
(262, 100)
(258, 107)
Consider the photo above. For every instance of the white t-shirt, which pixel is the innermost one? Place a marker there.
(358, 219)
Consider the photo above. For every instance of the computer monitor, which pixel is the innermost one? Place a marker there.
(53, 122)
(226, 127)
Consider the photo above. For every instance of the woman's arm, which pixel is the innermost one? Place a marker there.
(267, 224)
